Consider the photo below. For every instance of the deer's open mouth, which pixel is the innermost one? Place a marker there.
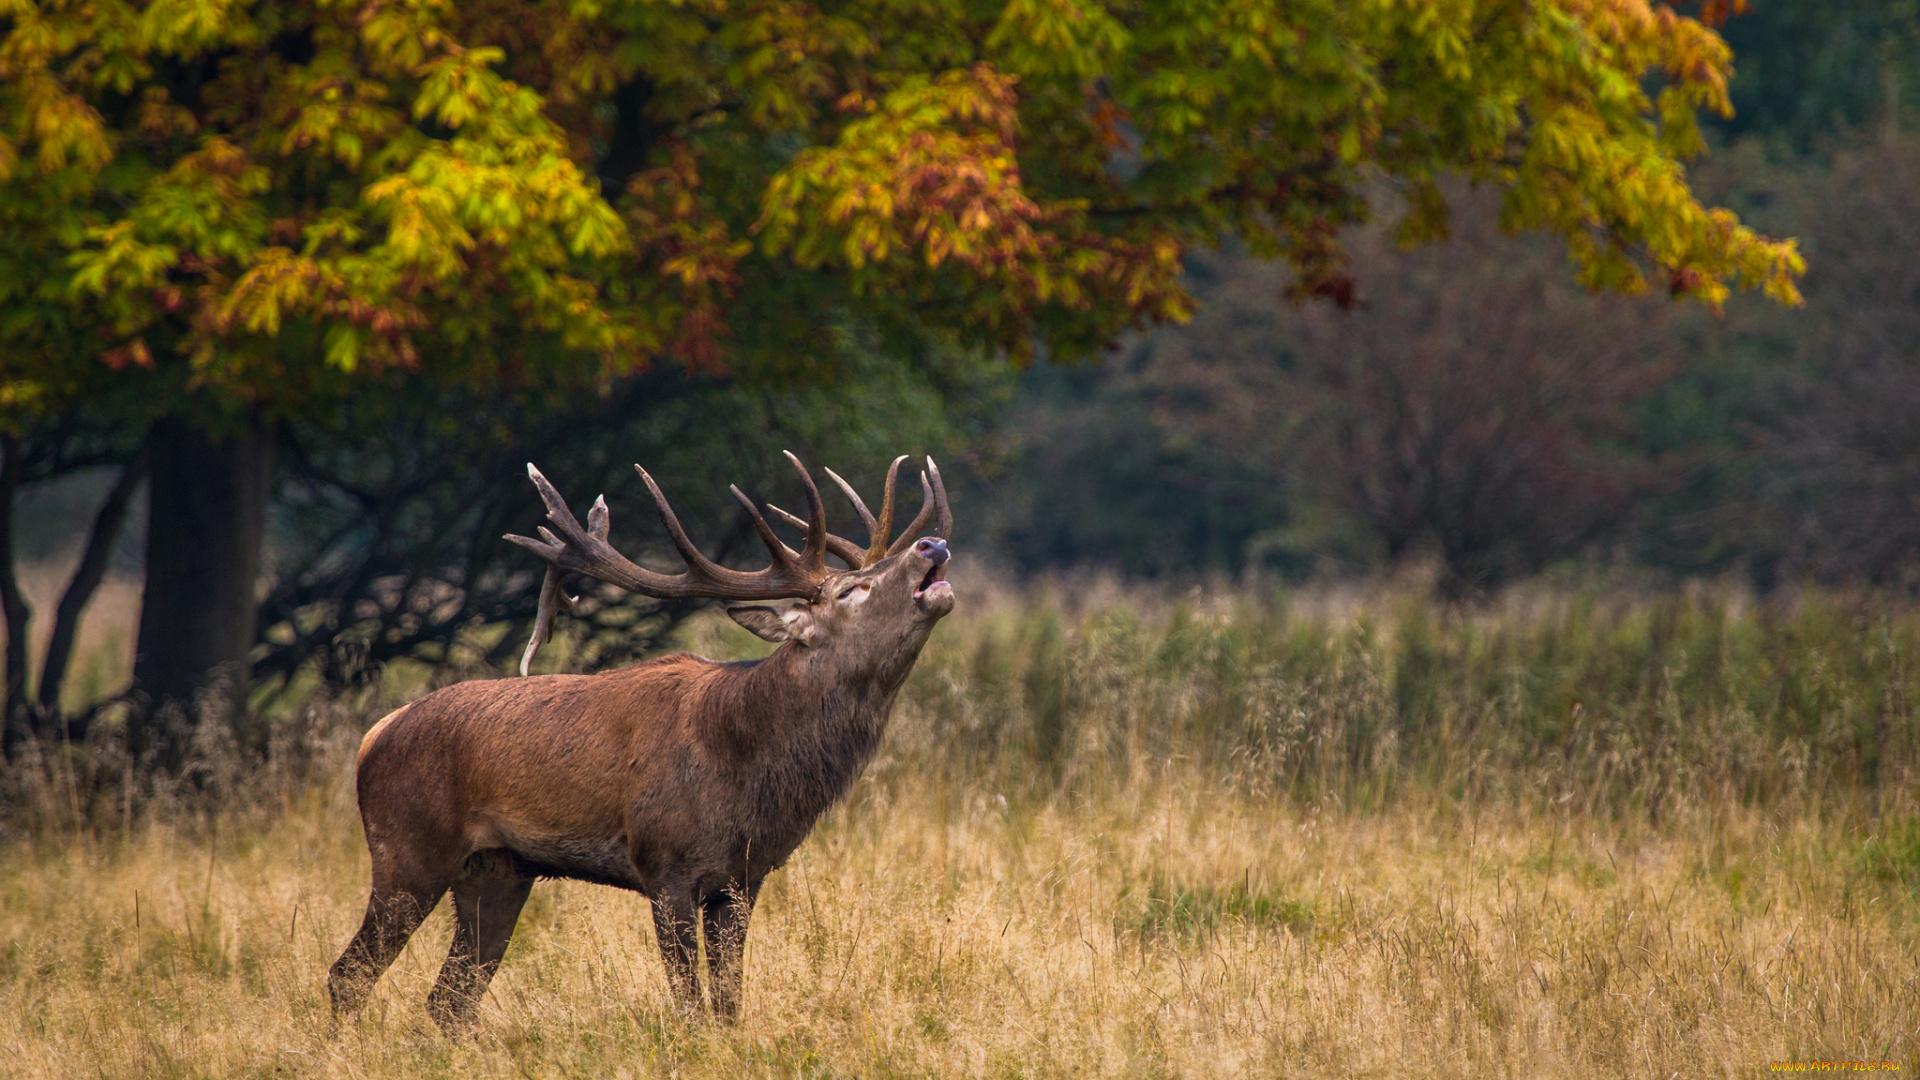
(936, 575)
(934, 587)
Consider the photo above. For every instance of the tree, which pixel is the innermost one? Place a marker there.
(1471, 406)
(249, 208)
(266, 208)
(1478, 411)
(1099, 465)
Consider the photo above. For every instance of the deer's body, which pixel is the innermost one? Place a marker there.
(674, 768)
(680, 778)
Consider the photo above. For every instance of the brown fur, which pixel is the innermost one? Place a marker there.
(681, 778)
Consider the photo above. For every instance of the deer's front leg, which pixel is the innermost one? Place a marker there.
(725, 916)
(674, 927)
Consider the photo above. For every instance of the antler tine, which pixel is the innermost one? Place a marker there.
(572, 549)
(912, 532)
(552, 548)
(585, 551)
(859, 507)
(813, 557)
(568, 548)
(696, 562)
(877, 543)
(557, 511)
(878, 530)
(597, 523)
(943, 519)
(851, 553)
(790, 575)
(775, 546)
(552, 600)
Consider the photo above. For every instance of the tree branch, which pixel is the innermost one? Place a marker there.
(86, 579)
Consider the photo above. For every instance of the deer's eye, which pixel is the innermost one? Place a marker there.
(858, 587)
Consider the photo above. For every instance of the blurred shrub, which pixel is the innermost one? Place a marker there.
(1474, 406)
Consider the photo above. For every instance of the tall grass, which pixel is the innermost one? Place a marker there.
(1110, 834)
(1619, 704)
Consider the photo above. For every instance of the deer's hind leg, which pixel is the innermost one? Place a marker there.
(397, 905)
(487, 898)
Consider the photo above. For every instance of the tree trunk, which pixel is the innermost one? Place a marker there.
(17, 720)
(206, 524)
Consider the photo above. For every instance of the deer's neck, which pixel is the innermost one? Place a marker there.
(799, 734)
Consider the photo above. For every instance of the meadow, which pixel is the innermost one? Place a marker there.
(1572, 832)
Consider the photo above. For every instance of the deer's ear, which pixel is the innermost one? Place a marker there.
(772, 624)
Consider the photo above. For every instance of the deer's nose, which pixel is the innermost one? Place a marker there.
(932, 550)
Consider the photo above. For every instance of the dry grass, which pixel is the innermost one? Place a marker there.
(1031, 882)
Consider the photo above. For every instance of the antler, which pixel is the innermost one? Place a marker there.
(586, 551)
(933, 500)
(552, 599)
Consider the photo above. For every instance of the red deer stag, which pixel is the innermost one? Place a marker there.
(680, 778)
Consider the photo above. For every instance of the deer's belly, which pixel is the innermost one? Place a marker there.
(597, 859)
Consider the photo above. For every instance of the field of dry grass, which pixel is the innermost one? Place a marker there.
(1215, 838)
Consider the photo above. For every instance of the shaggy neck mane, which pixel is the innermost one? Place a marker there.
(764, 710)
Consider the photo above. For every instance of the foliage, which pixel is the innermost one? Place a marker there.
(1474, 409)
(249, 213)
(1775, 444)
(268, 200)
(1617, 704)
(190, 180)
(1796, 431)
(1470, 407)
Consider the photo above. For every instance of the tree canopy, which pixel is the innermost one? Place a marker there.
(269, 203)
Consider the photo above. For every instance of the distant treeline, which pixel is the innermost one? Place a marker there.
(1478, 409)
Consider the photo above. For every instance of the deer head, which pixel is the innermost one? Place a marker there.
(880, 607)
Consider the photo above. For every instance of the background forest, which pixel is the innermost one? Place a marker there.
(1483, 412)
